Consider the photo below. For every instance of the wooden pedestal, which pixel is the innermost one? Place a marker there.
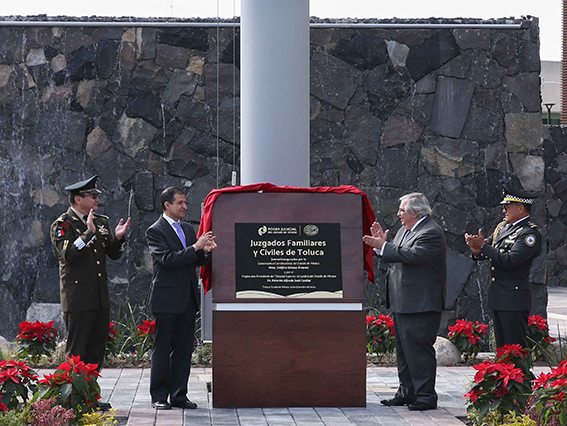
(311, 353)
(289, 359)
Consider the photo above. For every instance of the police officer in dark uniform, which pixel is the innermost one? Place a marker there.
(81, 241)
(511, 249)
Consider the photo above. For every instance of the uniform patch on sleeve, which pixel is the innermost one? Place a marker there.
(530, 240)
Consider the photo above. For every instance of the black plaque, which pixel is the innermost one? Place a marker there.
(288, 260)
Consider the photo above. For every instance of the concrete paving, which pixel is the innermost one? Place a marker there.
(127, 390)
(557, 311)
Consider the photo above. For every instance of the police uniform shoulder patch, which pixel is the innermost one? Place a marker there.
(530, 240)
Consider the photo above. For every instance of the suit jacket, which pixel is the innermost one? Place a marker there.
(417, 274)
(174, 273)
(511, 250)
(82, 261)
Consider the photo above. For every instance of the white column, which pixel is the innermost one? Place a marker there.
(274, 80)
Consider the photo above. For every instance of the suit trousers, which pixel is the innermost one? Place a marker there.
(511, 327)
(171, 354)
(87, 334)
(415, 355)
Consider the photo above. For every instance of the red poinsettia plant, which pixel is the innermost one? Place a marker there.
(112, 342)
(16, 380)
(467, 337)
(501, 385)
(36, 339)
(380, 335)
(74, 385)
(146, 333)
(549, 402)
(538, 336)
(146, 328)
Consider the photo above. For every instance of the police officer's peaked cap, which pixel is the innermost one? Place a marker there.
(88, 186)
(512, 195)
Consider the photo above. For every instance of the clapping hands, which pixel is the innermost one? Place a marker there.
(378, 237)
(475, 242)
(206, 242)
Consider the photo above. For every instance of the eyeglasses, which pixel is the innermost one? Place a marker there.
(95, 196)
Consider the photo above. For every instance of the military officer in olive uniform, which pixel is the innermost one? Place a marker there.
(81, 241)
(511, 249)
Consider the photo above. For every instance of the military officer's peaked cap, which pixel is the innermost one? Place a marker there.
(512, 195)
(88, 186)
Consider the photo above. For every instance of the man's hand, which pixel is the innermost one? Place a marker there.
(205, 242)
(90, 221)
(475, 242)
(378, 237)
(209, 248)
(121, 228)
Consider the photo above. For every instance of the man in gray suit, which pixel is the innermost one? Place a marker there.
(415, 291)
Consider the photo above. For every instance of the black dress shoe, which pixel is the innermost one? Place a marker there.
(104, 406)
(421, 406)
(186, 404)
(161, 405)
(397, 401)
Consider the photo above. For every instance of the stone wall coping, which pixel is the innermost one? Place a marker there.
(315, 22)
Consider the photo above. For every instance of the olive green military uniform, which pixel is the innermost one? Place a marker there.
(511, 250)
(85, 300)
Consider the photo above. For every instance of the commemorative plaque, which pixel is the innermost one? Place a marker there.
(291, 260)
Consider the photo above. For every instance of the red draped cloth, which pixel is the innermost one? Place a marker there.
(367, 216)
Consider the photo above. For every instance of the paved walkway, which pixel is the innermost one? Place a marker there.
(128, 391)
(557, 311)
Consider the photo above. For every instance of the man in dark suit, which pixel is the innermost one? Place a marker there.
(415, 291)
(176, 252)
(511, 249)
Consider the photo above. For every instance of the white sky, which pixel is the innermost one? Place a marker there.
(549, 11)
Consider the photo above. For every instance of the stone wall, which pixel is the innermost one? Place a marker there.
(451, 112)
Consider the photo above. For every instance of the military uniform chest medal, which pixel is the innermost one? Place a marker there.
(102, 230)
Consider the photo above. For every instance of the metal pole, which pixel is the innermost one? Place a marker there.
(549, 106)
(274, 90)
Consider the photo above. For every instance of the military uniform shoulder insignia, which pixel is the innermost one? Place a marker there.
(530, 240)
(497, 230)
(533, 225)
(102, 216)
(61, 224)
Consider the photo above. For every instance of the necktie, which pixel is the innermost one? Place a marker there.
(180, 233)
(406, 235)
